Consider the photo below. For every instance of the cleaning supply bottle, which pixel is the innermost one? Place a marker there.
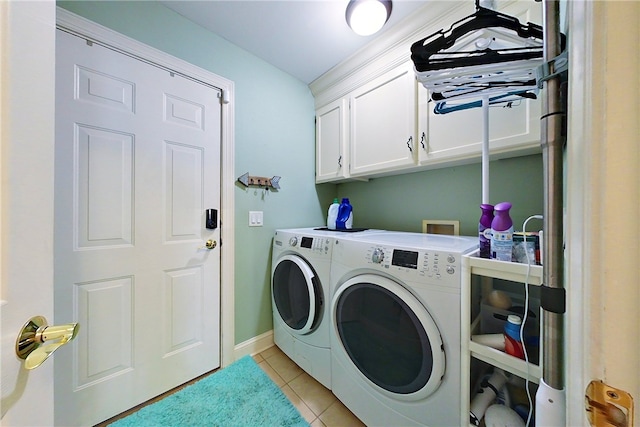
(490, 387)
(512, 343)
(484, 230)
(502, 233)
(345, 215)
(332, 214)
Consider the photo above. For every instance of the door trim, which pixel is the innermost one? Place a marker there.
(66, 20)
(602, 189)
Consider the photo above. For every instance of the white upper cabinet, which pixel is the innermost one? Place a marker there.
(459, 135)
(513, 128)
(382, 122)
(332, 133)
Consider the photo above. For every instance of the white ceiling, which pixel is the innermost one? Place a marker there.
(305, 38)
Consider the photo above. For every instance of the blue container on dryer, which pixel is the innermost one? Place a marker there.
(345, 215)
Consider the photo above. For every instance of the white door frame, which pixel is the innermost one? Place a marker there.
(99, 34)
(603, 212)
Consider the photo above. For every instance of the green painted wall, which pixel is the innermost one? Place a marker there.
(274, 135)
(401, 202)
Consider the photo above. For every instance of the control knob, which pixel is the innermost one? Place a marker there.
(377, 256)
(293, 241)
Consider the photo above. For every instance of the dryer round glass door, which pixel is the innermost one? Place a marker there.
(296, 294)
(389, 336)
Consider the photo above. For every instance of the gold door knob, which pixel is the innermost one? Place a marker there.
(210, 244)
(34, 333)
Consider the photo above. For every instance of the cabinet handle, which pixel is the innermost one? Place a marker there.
(340, 161)
(409, 144)
(422, 138)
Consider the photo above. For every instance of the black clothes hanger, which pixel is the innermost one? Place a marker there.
(430, 53)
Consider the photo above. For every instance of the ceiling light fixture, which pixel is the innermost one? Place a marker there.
(366, 17)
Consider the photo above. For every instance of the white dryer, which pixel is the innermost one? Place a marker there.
(395, 333)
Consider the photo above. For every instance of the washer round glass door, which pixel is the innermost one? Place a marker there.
(296, 294)
(389, 336)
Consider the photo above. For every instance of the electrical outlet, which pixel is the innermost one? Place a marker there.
(255, 219)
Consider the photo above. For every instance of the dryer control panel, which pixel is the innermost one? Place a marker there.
(317, 245)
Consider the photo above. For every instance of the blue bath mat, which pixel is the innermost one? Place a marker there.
(240, 395)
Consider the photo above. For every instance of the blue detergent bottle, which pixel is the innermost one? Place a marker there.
(345, 215)
(512, 343)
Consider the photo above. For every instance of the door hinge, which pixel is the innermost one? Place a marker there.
(224, 96)
(608, 406)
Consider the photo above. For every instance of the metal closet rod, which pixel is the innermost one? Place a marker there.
(552, 142)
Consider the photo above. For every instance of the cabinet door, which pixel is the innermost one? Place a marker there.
(331, 141)
(382, 123)
(459, 135)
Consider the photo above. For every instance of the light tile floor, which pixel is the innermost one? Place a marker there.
(315, 402)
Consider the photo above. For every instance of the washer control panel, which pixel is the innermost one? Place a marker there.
(412, 264)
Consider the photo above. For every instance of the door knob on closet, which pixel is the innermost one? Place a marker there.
(32, 345)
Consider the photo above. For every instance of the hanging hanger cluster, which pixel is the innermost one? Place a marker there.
(484, 59)
(487, 53)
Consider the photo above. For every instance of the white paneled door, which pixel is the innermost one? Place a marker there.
(137, 166)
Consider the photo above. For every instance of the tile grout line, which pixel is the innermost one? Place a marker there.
(286, 384)
(332, 412)
(308, 405)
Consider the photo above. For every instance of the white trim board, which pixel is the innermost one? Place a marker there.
(603, 184)
(254, 345)
(71, 22)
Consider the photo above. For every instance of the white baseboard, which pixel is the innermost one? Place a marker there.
(254, 345)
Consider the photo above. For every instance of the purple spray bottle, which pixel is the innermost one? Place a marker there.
(502, 233)
(484, 230)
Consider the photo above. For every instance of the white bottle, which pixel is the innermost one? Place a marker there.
(486, 395)
(332, 214)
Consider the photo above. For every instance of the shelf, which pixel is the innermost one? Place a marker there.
(506, 362)
(512, 271)
(473, 265)
(501, 359)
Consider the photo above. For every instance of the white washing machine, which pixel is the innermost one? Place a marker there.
(300, 271)
(395, 333)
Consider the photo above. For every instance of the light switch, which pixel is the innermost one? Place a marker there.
(255, 218)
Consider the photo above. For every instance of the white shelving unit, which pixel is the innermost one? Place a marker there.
(472, 265)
